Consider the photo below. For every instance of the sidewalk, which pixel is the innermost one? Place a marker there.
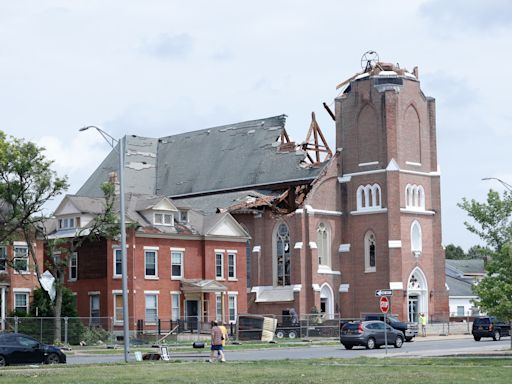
(438, 337)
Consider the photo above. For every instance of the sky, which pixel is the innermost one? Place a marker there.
(160, 67)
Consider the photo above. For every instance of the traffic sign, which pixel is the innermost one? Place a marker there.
(384, 304)
(383, 292)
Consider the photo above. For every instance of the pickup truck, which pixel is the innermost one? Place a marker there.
(410, 330)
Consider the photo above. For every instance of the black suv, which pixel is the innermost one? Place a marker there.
(410, 330)
(489, 326)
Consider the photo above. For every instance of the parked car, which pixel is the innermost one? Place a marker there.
(409, 329)
(489, 326)
(17, 348)
(370, 334)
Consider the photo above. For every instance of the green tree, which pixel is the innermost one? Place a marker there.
(478, 252)
(452, 251)
(493, 223)
(27, 183)
(493, 219)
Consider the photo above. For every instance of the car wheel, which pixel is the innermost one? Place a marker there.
(399, 342)
(370, 344)
(3, 362)
(52, 358)
(348, 346)
(279, 334)
(292, 335)
(496, 336)
(477, 338)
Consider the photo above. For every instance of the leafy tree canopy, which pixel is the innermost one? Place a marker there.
(452, 251)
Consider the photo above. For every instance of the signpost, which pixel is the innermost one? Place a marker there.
(383, 292)
(384, 308)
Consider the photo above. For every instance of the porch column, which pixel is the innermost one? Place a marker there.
(4, 304)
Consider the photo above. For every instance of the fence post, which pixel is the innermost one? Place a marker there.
(41, 330)
(16, 319)
(66, 330)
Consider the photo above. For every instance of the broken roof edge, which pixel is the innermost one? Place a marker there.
(250, 187)
(242, 124)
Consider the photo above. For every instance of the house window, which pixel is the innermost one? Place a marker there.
(118, 307)
(69, 223)
(184, 216)
(416, 239)
(218, 307)
(370, 252)
(164, 219)
(175, 304)
(460, 310)
(94, 301)
(232, 308)
(21, 302)
(368, 197)
(282, 252)
(150, 264)
(151, 308)
(21, 258)
(324, 254)
(219, 265)
(3, 258)
(73, 266)
(118, 262)
(176, 264)
(231, 265)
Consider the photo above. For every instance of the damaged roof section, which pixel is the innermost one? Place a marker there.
(246, 155)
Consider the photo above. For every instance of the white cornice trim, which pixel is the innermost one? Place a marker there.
(298, 245)
(395, 243)
(417, 212)
(368, 163)
(363, 173)
(344, 248)
(369, 211)
(312, 211)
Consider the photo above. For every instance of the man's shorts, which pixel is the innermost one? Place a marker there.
(217, 348)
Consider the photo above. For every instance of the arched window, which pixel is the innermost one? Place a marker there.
(368, 197)
(323, 243)
(282, 254)
(414, 197)
(370, 255)
(416, 239)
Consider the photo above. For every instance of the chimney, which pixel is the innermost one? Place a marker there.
(112, 178)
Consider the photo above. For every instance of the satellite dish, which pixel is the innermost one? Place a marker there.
(368, 60)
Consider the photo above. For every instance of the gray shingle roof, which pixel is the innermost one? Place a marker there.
(459, 287)
(471, 266)
(231, 157)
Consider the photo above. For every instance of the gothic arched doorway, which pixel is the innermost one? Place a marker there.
(417, 295)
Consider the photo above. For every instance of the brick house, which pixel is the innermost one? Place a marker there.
(181, 264)
(17, 277)
(324, 234)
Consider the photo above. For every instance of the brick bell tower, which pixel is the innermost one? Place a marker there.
(390, 194)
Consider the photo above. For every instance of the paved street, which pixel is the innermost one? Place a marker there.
(430, 346)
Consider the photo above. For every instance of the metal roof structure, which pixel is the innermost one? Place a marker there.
(241, 156)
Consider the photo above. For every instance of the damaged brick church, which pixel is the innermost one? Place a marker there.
(312, 228)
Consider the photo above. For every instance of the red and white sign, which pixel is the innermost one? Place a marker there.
(384, 304)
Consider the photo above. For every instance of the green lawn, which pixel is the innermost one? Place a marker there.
(361, 370)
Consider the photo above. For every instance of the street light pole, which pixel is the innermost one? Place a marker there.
(124, 263)
(505, 184)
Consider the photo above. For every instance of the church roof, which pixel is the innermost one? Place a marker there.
(231, 157)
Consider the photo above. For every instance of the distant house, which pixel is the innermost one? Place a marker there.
(461, 276)
(181, 264)
(17, 277)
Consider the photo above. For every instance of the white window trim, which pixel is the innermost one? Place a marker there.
(175, 294)
(70, 278)
(21, 291)
(217, 297)
(235, 296)
(221, 277)
(182, 264)
(115, 293)
(234, 277)
(163, 223)
(151, 293)
(18, 244)
(4, 270)
(114, 254)
(155, 276)
(367, 267)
